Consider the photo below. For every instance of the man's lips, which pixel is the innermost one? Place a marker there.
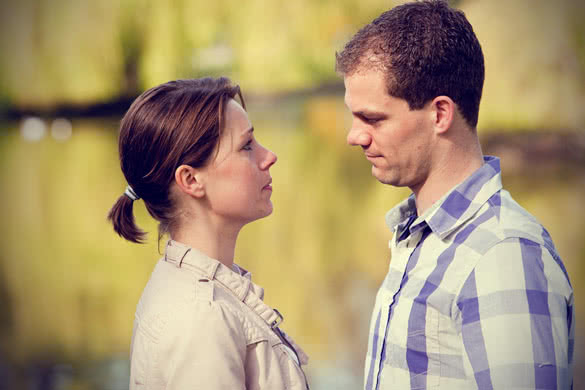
(268, 186)
(371, 156)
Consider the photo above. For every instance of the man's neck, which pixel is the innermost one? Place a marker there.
(451, 168)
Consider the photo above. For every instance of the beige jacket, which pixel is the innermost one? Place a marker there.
(200, 325)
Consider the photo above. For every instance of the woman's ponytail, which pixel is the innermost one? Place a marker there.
(122, 217)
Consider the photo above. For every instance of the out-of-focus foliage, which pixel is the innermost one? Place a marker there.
(535, 62)
(60, 51)
(69, 50)
(81, 51)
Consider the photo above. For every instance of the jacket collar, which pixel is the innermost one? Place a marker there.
(454, 208)
(237, 280)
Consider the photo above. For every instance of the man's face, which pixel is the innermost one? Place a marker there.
(397, 141)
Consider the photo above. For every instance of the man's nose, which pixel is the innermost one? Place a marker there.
(358, 137)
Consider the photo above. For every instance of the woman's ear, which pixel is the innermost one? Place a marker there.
(443, 108)
(190, 181)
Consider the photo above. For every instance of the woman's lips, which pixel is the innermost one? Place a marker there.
(268, 186)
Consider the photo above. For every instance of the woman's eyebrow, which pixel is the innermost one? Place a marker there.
(249, 131)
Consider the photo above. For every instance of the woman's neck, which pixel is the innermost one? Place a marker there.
(207, 237)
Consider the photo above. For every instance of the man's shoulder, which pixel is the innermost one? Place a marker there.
(501, 219)
(511, 246)
(514, 221)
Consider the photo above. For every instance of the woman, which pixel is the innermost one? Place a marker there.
(187, 148)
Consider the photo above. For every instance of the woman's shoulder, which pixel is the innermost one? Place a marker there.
(186, 324)
(182, 297)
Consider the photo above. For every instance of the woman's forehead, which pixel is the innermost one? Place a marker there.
(237, 122)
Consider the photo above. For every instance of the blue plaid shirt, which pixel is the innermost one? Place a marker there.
(476, 297)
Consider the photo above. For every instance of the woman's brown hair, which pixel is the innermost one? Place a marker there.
(176, 123)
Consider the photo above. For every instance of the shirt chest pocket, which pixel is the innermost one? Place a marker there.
(423, 338)
(413, 343)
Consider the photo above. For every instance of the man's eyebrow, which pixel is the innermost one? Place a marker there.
(366, 113)
(369, 114)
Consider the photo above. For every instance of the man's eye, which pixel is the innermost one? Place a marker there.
(370, 120)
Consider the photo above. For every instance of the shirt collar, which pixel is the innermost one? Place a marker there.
(455, 207)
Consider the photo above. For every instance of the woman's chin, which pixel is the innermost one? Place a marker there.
(268, 210)
(261, 214)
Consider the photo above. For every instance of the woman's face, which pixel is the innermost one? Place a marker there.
(238, 182)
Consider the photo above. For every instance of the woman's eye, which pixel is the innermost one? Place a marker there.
(372, 120)
(248, 145)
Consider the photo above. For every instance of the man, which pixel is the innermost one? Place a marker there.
(476, 295)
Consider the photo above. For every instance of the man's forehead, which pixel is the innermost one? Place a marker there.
(366, 78)
(366, 89)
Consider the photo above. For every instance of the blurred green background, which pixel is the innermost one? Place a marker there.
(68, 70)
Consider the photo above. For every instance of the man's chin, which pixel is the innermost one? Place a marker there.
(386, 177)
(380, 175)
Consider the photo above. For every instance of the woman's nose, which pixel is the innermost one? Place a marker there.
(269, 160)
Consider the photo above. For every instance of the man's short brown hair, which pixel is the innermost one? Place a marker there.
(426, 49)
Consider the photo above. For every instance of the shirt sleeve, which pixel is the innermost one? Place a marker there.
(208, 350)
(517, 319)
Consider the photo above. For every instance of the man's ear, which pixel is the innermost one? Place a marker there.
(443, 108)
(190, 180)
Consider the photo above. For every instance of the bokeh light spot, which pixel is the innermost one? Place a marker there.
(33, 129)
(61, 129)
